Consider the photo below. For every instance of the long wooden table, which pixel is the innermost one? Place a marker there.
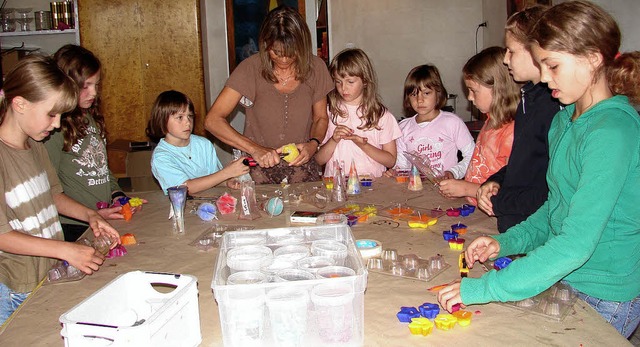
(36, 324)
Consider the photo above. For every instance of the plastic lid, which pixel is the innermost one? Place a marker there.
(287, 298)
(292, 252)
(331, 218)
(246, 277)
(329, 248)
(332, 294)
(290, 275)
(249, 258)
(313, 264)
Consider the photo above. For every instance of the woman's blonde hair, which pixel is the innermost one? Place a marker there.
(34, 78)
(487, 69)
(284, 25)
(354, 62)
(581, 28)
(419, 78)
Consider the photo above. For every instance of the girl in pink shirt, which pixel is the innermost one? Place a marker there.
(494, 93)
(361, 130)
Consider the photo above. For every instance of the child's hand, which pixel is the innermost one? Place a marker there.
(481, 249)
(450, 295)
(236, 168)
(358, 140)
(484, 194)
(101, 227)
(111, 212)
(389, 173)
(447, 175)
(84, 258)
(451, 188)
(341, 132)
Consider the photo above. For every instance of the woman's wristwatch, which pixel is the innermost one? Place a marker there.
(316, 141)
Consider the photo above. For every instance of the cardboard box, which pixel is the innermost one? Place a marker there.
(129, 311)
(131, 162)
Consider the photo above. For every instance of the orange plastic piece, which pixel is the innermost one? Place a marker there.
(420, 325)
(126, 212)
(463, 317)
(128, 239)
(445, 321)
(362, 216)
(397, 211)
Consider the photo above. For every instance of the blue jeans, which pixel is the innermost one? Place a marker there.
(624, 316)
(9, 302)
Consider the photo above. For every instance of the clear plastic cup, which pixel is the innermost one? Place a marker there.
(248, 258)
(288, 310)
(244, 310)
(292, 252)
(277, 265)
(335, 272)
(330, 248)
(331, 218)
(333, 310)
(315, 263)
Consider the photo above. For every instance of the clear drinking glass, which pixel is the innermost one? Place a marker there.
(178, 197)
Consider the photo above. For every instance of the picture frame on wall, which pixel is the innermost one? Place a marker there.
(514, 6)
(244, 18)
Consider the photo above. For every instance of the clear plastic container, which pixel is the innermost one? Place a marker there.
(330, 248)
(292, 252)
(335, 272)
(247, 258)
(315, 263)
(290, 275)
(333, 304)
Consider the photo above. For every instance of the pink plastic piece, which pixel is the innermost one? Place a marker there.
(226, 204)
(117, 251)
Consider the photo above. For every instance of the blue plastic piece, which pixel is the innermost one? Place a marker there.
(429, 310)
(124, 200)
(501, 263)
(366, 244)
(406, 313)
(449, 235)
(469, 207)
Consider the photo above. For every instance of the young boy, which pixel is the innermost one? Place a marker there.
(517, 190)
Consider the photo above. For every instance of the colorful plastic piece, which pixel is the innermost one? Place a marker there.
(123, 200)
(417, 224)
(449, 235)
(352, 220)
(455, 308)
(453, 212)
(402, 176)
(370, 209)
(102, 204)
(406, 313)
(226, 204)
(445, 321)
(127, 212)
(469, 207)
(429, 310)
(117, 251)
(415, 182)
(135, 202)
(366, 180)
(362, 216)
(291, 152)
(128, 239)
(462, 264)
(501, 263)
(421, 326)
(460, 228)
(464, 317)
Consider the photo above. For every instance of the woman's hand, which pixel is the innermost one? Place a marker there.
(111, 212)
(484, 194)
(449, 296)
(481, 249)
(266, 157)
(307, 150)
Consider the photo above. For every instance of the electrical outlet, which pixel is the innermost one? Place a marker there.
(483, 24)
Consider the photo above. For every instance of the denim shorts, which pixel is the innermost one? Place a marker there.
(624, 316)
(9, 302)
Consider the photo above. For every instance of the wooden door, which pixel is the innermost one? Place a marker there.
(146, 47)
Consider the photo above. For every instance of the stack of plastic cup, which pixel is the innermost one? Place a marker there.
(330, 248)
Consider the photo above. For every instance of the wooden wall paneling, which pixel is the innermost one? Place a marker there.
(146, 47)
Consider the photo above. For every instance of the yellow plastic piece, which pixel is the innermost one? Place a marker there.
(463, 317)
(462, 264)
(370, 209)
(420, 326)
(353, 207)
(417, 224)
(453, 244)
(135, 202)
(445, 321)
(291, 152)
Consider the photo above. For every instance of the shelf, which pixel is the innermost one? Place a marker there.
(39, 32)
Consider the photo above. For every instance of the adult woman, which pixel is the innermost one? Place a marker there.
(283, 89)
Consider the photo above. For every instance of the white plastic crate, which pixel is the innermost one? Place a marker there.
(303, 312)
(129, 311)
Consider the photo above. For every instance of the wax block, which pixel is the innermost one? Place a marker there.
(445, 321)
(420, 326)
(453, 212)
(459, 228)
(463, 317)
(501, 263)
(406, 313)
(291, 152)
(449, 235)
(429, 310)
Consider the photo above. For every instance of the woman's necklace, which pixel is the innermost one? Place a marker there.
(283, 80)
